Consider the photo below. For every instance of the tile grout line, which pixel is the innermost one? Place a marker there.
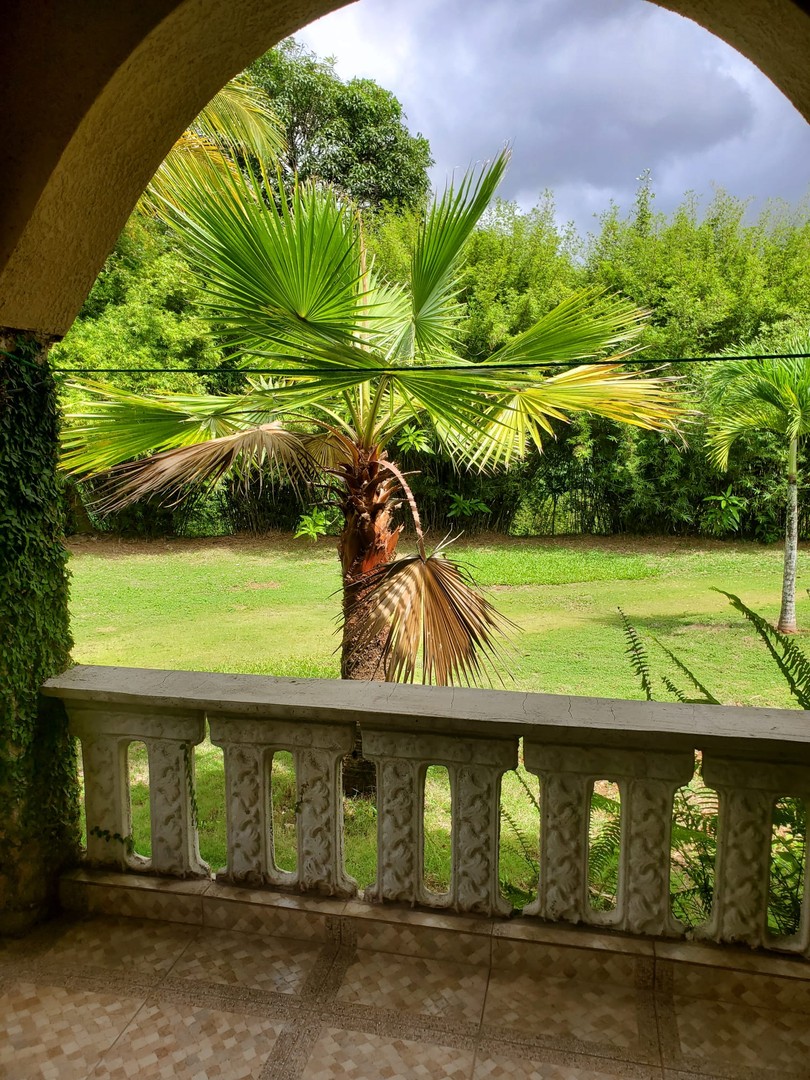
(141, 1007)
(483, 1010)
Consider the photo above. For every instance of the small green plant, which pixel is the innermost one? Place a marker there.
(114, 837)
(461, 507)
(722, 513)
(415, 439)
(314, 524)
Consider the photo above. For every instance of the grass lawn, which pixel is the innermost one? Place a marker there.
(268, 606)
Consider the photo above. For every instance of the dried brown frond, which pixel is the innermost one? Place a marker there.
(429, 609)
(265, 451)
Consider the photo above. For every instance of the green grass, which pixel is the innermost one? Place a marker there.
(268, 606)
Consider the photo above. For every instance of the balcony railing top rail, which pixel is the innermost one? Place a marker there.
(776, 734)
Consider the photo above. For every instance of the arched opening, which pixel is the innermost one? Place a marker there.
(95, 98)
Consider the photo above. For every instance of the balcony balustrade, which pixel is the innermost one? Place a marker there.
(751, 757)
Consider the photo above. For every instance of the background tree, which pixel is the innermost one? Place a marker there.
(353, 362)
(766, 395)
(349, 134)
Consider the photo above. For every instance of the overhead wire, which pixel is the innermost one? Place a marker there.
(525, 365)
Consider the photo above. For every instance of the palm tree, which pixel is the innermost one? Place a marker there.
(341, 362)
(237, 122)
(745, 396)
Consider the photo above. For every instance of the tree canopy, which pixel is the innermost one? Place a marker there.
(350, 134)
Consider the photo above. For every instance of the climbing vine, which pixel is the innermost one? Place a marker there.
(38, 787)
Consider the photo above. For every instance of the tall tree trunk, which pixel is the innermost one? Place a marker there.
(368, 540)
(787, 616)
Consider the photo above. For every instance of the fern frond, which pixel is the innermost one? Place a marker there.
(531, 795)
(523, 841)
(674, 690)
(638, 655)
(789, 658)
(708, 697)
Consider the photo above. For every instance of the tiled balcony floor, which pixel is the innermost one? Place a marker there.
(112, 997)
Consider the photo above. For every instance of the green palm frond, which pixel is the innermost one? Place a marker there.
(744, 396)
(430, 613)
(238, 122)
(114, 426)
(583, 326)
(283, 274)
(523, 413)
(435, 261)
(241, 118)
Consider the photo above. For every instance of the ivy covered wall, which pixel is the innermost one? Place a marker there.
(39, 822)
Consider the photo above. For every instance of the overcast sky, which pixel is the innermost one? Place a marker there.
(589, 92)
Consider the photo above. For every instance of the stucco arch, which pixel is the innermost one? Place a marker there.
(95, 94)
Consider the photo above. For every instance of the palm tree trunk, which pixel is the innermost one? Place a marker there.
(368, 540)
(787, 616)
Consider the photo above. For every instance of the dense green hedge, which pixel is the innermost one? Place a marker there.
(39, 830)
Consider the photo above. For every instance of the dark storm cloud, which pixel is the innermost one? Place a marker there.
(589, 93)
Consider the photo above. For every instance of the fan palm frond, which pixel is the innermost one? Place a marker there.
(238, 122)
(267, 451)
(435, 261)
(113, 426)
(428, 609)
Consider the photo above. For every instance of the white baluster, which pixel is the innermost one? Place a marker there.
(748, 791)
(647, 784)
(318, 750)
(168, 734)
(475, 768)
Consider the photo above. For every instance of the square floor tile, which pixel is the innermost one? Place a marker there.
(55, 1034)
(510, 1067)
(759, 991)
(532, 1006)
(263, 963)
(124, 945)
(723, 1036)
(353, 1055)
(437, 988)
(185, 1042)
(425, 941)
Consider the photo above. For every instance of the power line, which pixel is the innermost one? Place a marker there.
(466, 368)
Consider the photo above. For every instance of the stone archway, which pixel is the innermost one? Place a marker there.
(96, 94)
(93, 97)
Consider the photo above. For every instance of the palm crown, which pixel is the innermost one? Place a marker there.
(772, 394)
(342, 360)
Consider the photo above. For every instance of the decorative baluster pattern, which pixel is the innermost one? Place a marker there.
(748, 791)
(106, 732)
(475, 767)
(647, 796)
(400, 826)
(564, 816)
(765, 757)
(247, 806)
(318, 749)
(647, 783)
(320, 814)
(106, 799)
(175, 842)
